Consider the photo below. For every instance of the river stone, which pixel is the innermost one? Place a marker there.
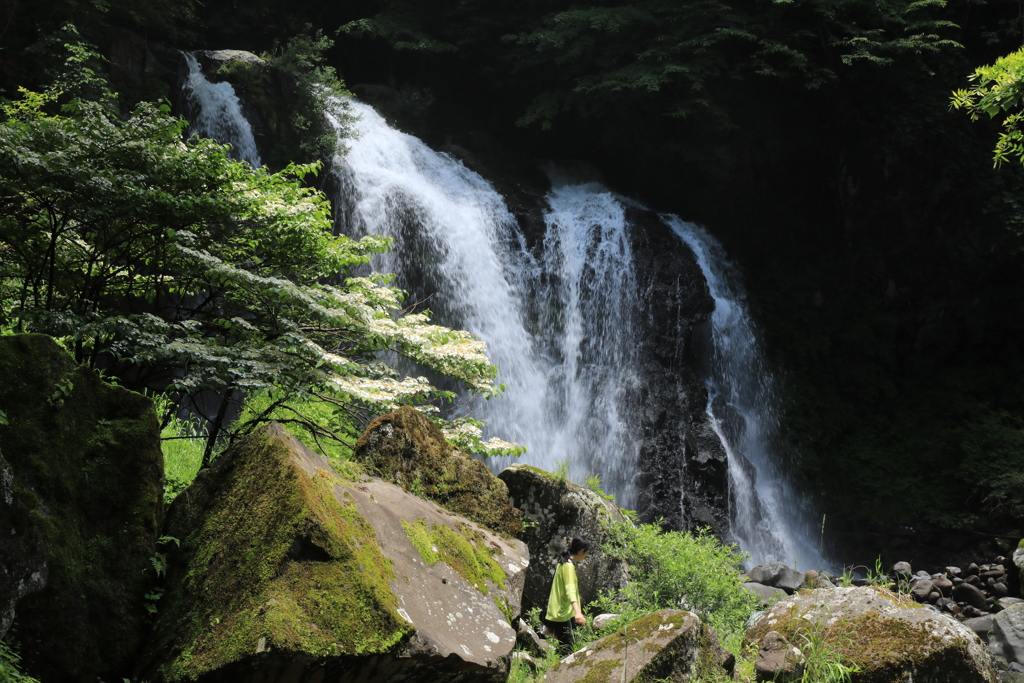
(218, 58)
(289, 572)
(407, 449)
(85, 462)
(766, 595)
(557, 509)
(23, 567)
(972, 595)
(980, 625)
(777, 574)
(778, 660)
(663, 645)
(1007, 637)
(602, 620)
(922, 590)
(902, 569)
(888, 637)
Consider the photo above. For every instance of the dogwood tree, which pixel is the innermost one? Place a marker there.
(183, 271)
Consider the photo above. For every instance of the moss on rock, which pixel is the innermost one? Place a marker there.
(665, 645)
(274, 556)
(406, 448)
(885, 635)
(87, 464)
(463, 551)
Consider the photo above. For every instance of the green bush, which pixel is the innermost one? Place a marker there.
(671, 569)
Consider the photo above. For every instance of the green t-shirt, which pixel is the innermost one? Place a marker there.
(564, 592)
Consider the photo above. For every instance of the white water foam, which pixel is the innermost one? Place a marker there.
(218, 114)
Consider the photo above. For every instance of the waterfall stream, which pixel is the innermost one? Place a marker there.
(742, 406)
(558, 311)
(216, 113)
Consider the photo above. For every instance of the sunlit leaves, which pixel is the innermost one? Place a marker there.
(997, 90)
(191, 272)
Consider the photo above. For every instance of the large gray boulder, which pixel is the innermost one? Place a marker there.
(1006, 638)
(667, 645)
(80, 512)
(890, 639)
(557, 509)
(289, 572)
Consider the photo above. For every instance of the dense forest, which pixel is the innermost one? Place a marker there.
(815, 138)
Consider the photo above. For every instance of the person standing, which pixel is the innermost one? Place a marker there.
(564, 613)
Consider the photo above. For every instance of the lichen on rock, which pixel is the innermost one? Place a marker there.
(273, 557)
(887, 637)
(556, 510)
(670, 644)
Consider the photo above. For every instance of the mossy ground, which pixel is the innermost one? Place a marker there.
(87, 463)
(272, 557)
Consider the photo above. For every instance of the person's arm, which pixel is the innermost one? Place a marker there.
(572, 590)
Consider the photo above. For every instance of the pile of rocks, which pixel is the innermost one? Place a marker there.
(966, 593)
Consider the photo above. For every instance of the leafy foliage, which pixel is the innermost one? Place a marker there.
(996, 91)
(186, 271)
(10, 670)
(677, 570)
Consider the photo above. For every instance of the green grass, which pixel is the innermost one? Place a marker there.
(183, 443)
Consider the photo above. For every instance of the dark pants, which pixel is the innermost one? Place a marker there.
(565, 632)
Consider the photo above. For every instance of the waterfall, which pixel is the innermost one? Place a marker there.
(556, 318)
(742, 400)
(216, 113)
(558, 308)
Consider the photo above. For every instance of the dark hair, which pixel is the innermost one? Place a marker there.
(574, 546)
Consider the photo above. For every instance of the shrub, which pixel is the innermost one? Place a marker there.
(672, 569)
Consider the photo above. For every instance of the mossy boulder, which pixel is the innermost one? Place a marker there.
(890, 638)
(407, 449)
(86, 467)
(287, 571)
(23, 567)
(557, 509)
(667, 645)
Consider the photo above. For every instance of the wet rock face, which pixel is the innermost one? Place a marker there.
(670, 644)
(888, 637)
(683, 475)
(81, 503)
(407, 449)
(287, 572)
(557, 509)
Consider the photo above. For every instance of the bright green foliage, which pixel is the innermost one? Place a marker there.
(197, 272)
(996, 91)
(681, 571)
(9, 666)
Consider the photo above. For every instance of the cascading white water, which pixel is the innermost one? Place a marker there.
(742, 404)
(218, 114)
(556, 324)
(558, 316)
